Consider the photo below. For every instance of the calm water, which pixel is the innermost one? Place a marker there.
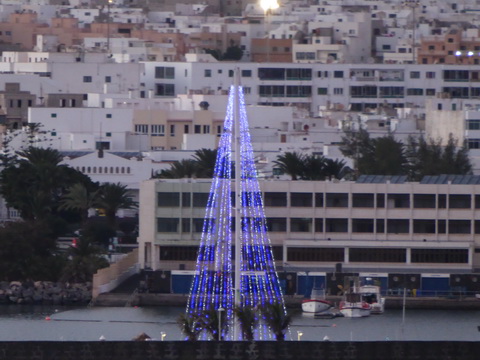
(82, 324)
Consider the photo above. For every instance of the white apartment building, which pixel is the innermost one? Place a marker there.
(376, 224)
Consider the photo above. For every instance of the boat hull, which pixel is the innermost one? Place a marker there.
(355, 310)
(313, 306)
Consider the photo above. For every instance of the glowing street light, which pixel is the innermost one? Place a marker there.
(299, 335)
(162, 335)
(267, 6)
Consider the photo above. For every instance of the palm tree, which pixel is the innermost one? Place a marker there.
(113, 197)
(185, 168)
(291, 163)
(248, 320)
(85, 259)
(205, 161)
(313, 167)
(212, 324)
(190, 325)
(336, 169)
(277, 319)
(79, 198)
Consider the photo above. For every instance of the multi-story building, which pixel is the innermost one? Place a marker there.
(375, 224)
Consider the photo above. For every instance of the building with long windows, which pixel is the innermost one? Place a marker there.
(374, 224)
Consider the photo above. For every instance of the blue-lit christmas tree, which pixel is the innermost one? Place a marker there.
(235, 202)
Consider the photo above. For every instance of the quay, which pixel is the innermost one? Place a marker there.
(291, 301)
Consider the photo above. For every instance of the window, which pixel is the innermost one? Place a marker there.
(338, 91)
(473, 143)
(165, 89)
(162, 72)
(386, 47)
(276, 224)
(186, 129)
(197, 129)
(108, 134)
(141, 129)
(441, 256)
(338, 74)
(301, 199)
(168, 199)
(87, 79)
(414, 74)
(430, 75)
(206, 129)
(172, 130)
(397, 226)
(157, 130)
(377, 255)
(322, 91)
(337, 200)
(167, 225)
(299, 91)
(299, 74)
(336, 225)
(305, 55)
(108, 116)
(108, 79)
(415, 92)
(208, 73)
(53, 115)
(275, 199)
(362, 200)
(315, 254)
(271, 73)
(430, 92)
(300, 225)
(473, 124)
(271, 90)
(362, 225)
(246, 73)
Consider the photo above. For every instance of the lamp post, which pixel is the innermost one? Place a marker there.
(109, 2)
(267, 6)
(299, 335)
(162, 335)
(220, 310)
(413, 4)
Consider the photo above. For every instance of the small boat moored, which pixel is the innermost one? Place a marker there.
(317, 303)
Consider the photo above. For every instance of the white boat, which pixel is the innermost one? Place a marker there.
(317, 303)
(354, 307)
(372, 296)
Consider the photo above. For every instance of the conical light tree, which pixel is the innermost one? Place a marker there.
(235, 203)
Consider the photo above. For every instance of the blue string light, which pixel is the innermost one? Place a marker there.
(212, 286)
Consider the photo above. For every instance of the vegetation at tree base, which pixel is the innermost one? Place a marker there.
(53, 200)
(190, 326)
(273, 315)
(311, 167)
(248, 319)
(201, 166)
(416, 159)
(277, 319)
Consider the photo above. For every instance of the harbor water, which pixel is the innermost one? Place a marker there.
(46, 323)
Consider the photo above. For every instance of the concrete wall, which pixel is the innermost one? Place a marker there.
(183, 350)
(109, 278)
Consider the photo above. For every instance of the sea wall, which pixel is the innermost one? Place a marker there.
(44, 292)
(210, 350)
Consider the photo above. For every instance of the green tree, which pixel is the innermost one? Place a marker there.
(113, 197)
(430, 157)
(205, 160)
(190, 326)
(212, 324)
(291, 163)
(186, 168)
(277, 319)
(380, 156)
(248, 319)
(233, 53)
(86, 258)
(80, 198)
(336, 169)
(27, 251)
(35, 185)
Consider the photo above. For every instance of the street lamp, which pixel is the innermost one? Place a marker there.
(299, 335)
(267, 6)
(220, 310)
(162, 335)
(109, 2)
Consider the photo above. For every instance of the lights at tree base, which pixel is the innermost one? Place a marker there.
(213, 284)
